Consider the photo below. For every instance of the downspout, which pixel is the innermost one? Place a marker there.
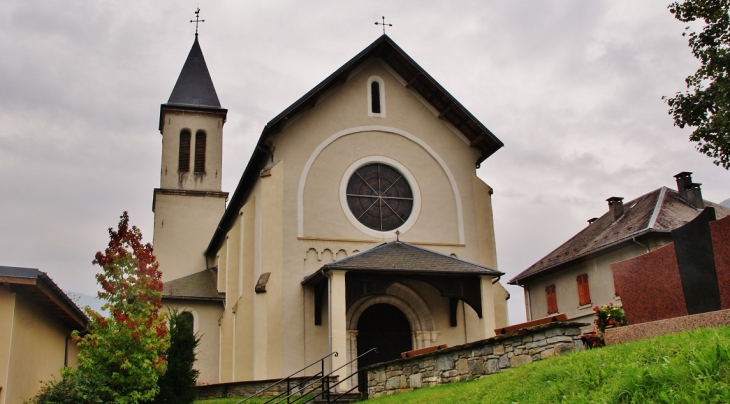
(329, 315)
(643, 245)
(267, 150)
(68, 338)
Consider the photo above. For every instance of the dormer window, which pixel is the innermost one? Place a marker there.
(376, 97)
(199, 151)
(183, 160)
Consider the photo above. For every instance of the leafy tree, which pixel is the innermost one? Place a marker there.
(177, 385)
(126, 353)
(121, 357)
(706, 104)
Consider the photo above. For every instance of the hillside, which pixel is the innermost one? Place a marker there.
(690, 367)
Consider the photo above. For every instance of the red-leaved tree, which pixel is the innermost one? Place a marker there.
(124, 354)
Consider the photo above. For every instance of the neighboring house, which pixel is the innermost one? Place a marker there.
(36, 320)
(577, 276)
(359, 221)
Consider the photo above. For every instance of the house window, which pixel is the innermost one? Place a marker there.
(584, 293)
(183, 161)
(552, 300)
(200, 152)
(188, 318)
(376, 97)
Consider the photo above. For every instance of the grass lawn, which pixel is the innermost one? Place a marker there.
(691, 367)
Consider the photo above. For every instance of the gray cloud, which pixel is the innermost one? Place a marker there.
(573, 88)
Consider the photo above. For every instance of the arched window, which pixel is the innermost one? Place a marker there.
(200, 152)
(375, 97)
(183, 161)
(188, 318)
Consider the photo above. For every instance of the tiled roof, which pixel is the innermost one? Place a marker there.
(198, 286)
(194, 85)
(398, 256)
(659, 211)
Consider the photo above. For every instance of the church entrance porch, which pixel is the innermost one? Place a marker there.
(378, 299)
(386, 328)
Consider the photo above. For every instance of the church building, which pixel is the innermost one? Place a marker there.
(359, 222)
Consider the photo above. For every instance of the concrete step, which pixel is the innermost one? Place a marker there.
(347, 398)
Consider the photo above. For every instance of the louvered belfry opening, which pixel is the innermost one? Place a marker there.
(183, 161)
(375, 97)
(200, 152)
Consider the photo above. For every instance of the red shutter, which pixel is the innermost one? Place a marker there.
(552, 301)
(584, 293)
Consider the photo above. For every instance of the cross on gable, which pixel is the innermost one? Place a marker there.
(383, 24)
(197, 20)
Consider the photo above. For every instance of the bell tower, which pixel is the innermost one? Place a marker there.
(189, 202)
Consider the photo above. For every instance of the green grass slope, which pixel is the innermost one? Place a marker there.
(690, 367)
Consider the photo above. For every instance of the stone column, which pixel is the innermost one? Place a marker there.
(487, 323)
(351, 351)
(338, 321)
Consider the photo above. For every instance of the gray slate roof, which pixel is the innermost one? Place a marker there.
(401, 257)
(198, 286)
(194, 85)
(659, 211)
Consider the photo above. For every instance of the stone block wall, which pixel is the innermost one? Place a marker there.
(474, 360)
(248, 388)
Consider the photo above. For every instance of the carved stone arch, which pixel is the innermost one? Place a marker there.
(404, 298)
(407, 301)
(311, 254)
(327, 256)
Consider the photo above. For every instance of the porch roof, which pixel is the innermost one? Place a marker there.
(398, 257)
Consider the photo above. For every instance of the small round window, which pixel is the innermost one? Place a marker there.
(379, 197)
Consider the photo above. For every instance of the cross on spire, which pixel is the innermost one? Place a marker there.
(197, 20)
(383, 24)
(397, 235)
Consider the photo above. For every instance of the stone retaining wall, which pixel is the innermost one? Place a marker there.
(474, 360)
(246, 389)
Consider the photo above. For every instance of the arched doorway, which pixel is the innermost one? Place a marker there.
(385, 327)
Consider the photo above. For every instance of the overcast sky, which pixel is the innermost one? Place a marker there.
(572, 87)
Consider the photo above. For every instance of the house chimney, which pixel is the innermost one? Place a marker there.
(615, 207)
(694, 195)
(684, 179)
(690, 191)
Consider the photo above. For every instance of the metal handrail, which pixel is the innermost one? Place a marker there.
(286, 379)
(327, 391)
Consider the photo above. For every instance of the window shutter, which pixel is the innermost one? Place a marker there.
(183, 161)
(200, 152)
(584, 293)
(552, 301)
